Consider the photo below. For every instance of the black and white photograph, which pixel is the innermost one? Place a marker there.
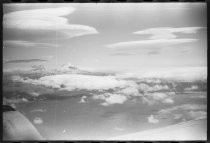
(105, 71)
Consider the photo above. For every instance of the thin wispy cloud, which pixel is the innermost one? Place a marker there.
(25, 61)
(26, 44)
(167, 32)
(46, 19)
(153, 52)
(122, 54)
(149, 43)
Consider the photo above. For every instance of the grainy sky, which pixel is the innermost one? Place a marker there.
(105, 36)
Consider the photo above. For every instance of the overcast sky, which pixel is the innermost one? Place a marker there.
(105, 36)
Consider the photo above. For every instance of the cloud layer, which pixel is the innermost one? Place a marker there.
(46, 19)
(167, 32)
(149, 43)
(25, 61)
(26, 44)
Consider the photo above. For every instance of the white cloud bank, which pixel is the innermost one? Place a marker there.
(76, 81)
(122, 89)
(167, 32)
(46, 19)
(173, 73)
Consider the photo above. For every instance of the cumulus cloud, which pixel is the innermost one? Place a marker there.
(193, 87)
(184, 112)
(156, 97)
(149, 43)
(183, 107)
(38, 120)
(180, 74)
(46, 19)
(152, 119)
(146, 88)
(196, 115)
(75, 81)
(130, 91)
(167, 32)
(26, 44)
(82, 100)
(110, 98)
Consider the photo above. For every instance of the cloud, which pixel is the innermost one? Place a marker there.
(38, 120)
(152, 119)
(153, 52)
(24, 61)
(75, 81)
(193, 87)
(184, 112)
(110, 99)
(146, 88)
(38, 110)
(131, 90)
(183, 107)
(26, 44)
(48, 19)
(157, 97)
(119, 129)
(149, 43)
(167, 32)
(171, 73)
(82, 100)
(122, 54)
(196, 115)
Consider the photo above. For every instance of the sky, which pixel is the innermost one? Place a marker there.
(107, 37)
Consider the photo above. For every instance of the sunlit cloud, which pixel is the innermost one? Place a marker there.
(167, 32)
(110, 99)
(48, 19)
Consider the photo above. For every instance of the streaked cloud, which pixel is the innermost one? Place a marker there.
(25, 61)
(167, 32)
(38, 110)
(149, 43)
(26, 44)
(183, 107)
(48, 19)
(122, 54)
